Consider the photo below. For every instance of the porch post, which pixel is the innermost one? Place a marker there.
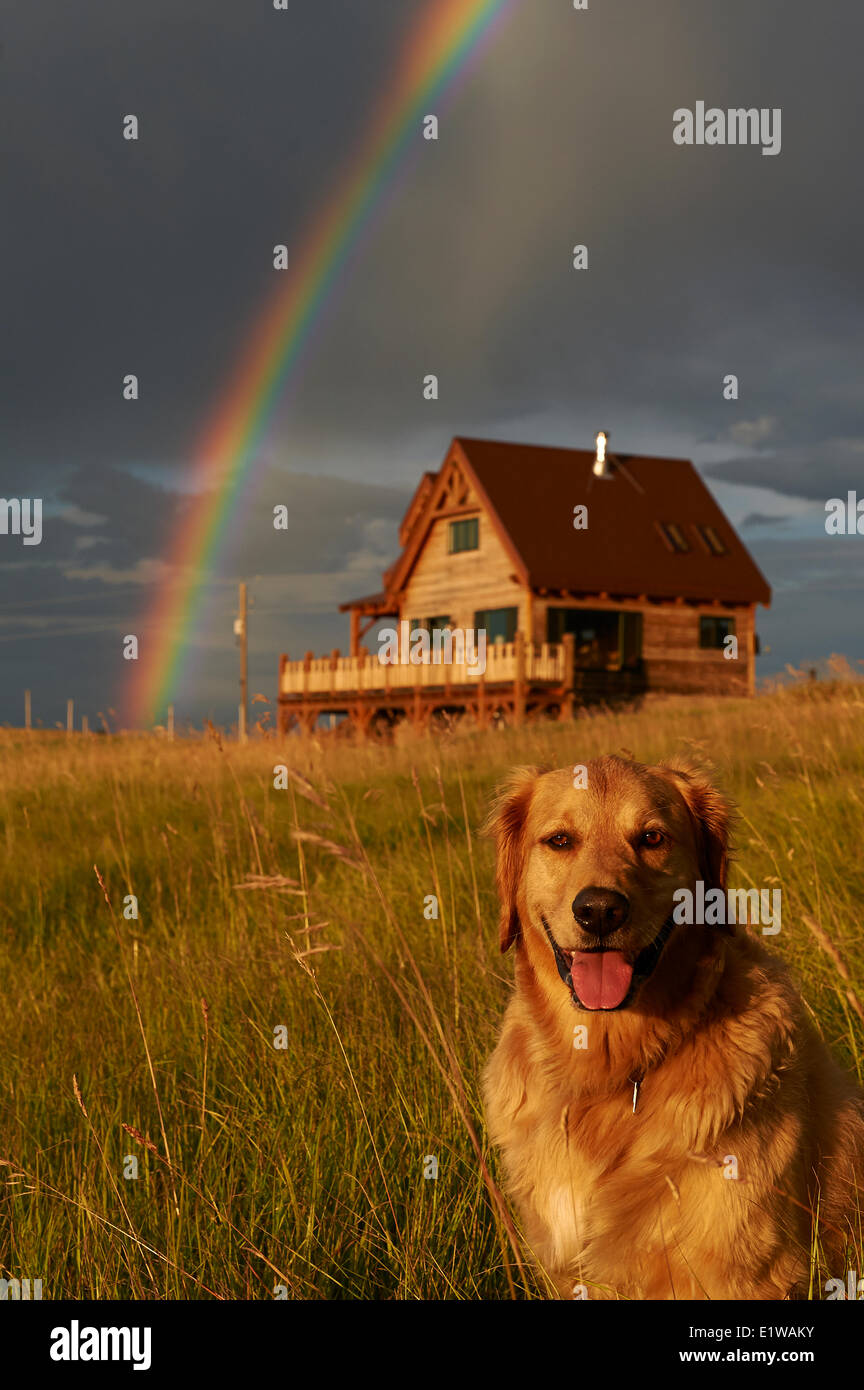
(519, 685)
(569, 666)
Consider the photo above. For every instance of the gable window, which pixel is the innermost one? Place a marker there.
(499, 624)
(673, 536)
(710, 539)
(712, 631)
(464, 534)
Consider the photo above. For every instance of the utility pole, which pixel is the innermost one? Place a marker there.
(240, 629)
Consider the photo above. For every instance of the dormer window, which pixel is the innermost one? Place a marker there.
(464, 535)
(710, 539)
(673, 537)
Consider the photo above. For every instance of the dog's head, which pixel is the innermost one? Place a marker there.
(587, 873)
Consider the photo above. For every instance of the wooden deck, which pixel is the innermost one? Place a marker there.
(518, 679)
(334, 674)
(522, 680)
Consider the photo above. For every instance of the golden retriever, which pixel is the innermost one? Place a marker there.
(669, 1118)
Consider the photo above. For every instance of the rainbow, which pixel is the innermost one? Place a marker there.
(441, 48)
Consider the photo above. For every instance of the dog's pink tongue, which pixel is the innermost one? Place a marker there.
(601, 978)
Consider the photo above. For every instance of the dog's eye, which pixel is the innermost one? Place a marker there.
(560, 840)
(652, 839)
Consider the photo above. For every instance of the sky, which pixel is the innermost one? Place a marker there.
(156, 257)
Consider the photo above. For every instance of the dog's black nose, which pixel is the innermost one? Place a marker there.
(600, 910)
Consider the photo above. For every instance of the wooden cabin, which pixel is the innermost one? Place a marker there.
(593, 576)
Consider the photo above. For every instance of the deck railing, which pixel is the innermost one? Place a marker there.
(540, 663)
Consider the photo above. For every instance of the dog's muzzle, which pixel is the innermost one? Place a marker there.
(600, 979)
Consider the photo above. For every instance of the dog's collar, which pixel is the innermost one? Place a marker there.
(643, 966)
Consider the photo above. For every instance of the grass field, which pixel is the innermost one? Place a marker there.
(302, 1165)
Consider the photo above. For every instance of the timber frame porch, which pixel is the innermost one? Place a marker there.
(522, 680)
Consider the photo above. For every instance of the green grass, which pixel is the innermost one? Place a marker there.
(303, 1166)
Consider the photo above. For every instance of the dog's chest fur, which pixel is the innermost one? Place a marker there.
(610, 1200)
(596, 1209)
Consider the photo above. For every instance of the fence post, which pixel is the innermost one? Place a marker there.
(28, 723)
(70, 716)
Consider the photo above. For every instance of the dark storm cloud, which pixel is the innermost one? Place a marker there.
(329, 520)
(154, 257)
(126, 516)
(94, 577)
(760, 519)
(702, 261)
(812, 471)
(332, 524)
(816, 609)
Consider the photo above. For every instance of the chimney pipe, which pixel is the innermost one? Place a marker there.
(602, 466)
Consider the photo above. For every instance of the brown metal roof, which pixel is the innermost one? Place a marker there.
(532, 490)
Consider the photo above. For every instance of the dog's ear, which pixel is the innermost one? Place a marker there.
(712, 815)
(504, 824)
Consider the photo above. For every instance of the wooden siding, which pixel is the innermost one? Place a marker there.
(459, 585)
(673, 659)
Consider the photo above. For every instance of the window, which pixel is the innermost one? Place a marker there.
(499, 624)
(430, 625)
(603, 638)
(713, 630)
(710, 539)
(673, 536)
(464, 534)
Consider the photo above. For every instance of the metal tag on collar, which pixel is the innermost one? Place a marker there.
(636, 1078)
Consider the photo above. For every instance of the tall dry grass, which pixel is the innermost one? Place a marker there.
(303, 909)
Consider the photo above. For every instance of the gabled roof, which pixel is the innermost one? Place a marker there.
(531, 490)
(416, 505)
